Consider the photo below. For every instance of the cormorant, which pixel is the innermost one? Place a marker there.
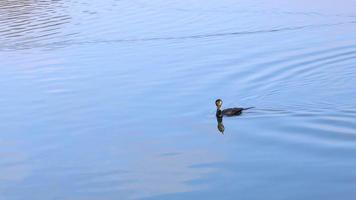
(227, 112)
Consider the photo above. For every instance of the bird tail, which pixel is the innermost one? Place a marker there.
(247, 108)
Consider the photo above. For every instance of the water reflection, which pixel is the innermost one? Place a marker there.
(221, 126)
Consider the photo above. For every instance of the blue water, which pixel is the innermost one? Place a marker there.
(107, 100)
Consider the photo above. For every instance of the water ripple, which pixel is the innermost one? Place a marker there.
(33, 43)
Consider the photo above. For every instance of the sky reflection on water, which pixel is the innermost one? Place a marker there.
(115, 100)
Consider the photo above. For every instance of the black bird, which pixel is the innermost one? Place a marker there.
(229, 111)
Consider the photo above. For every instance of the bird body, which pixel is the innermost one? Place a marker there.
(232, 111)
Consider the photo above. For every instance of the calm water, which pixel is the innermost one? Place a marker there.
(107, 100)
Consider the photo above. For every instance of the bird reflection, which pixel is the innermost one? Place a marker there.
(221, 126)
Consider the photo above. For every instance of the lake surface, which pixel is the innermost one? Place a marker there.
(107, 100)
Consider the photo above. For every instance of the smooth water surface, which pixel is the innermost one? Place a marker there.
(107, 100)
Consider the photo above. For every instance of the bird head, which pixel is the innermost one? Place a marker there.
(218, 103)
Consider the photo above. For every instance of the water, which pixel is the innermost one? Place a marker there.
(115, 99)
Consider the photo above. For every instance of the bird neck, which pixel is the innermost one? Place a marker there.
(218, 112)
